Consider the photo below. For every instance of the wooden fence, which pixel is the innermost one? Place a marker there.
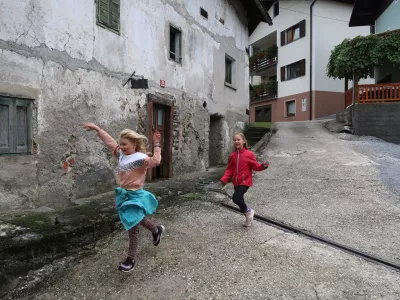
(377, 93)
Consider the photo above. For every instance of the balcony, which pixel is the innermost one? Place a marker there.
(263, 60)
(378, 93)
(374, 93)
(264, 91)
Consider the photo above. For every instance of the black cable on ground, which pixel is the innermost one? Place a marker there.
(347, 249)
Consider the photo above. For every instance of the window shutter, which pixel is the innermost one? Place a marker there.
(303, 28)
(302, 67)
(283, 74)
(283, 38)
(114, 14)
(6, 126)
(21, 127)
(103, 13)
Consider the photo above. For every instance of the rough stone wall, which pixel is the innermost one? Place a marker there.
(216, 140)
(74, 70)
(379, 120)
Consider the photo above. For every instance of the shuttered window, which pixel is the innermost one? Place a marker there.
(108, 14)
(293, 33)
(294, 70)
(15, 125)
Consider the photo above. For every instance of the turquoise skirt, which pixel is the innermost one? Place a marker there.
(133, 206)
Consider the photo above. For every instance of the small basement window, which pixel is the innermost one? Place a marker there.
(15, 126)
(291, 108)
(204, 13)
(175, 44)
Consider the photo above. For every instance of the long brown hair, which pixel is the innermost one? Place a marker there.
(245, 146)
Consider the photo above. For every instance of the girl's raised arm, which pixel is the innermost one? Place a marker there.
(155, 159)
(111, 144)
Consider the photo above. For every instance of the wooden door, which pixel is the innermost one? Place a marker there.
(159, 123)
(263, 113)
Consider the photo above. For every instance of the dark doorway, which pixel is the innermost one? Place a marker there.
(216, 140)
(160, 118)
(263, 113)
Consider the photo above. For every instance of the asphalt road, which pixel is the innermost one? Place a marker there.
(317, 180)
(341, 187)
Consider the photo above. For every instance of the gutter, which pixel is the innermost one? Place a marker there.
(311, 56)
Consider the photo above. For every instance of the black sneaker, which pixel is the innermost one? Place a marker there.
(157, 236)
(127, 265)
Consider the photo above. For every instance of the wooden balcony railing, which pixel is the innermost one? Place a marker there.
(263, 63)
(376, 93)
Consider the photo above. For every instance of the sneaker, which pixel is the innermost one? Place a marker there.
(249, 218)
(157, 236)
(127, 265)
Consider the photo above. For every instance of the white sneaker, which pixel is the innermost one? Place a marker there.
(249, 218)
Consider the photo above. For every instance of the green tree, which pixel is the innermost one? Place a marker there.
(360, 55)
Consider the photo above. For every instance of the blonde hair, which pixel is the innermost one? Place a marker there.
(136, 138)
(243, 138)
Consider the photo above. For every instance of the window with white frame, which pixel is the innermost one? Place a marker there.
(175, 44)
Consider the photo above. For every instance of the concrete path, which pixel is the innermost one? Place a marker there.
(342, 187)
(316, 181)
(207, 254)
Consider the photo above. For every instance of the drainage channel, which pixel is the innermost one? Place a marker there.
(347, 249)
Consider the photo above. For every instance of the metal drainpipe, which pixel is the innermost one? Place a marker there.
(311, 56)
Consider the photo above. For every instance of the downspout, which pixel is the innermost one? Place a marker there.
(311, 56)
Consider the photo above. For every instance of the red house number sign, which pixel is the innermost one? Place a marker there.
(162, 83)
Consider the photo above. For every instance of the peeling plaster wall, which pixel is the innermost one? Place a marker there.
(54, 53)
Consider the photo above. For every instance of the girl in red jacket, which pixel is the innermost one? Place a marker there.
(240, 166)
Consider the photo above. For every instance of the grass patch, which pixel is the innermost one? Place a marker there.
(34, 220)
(193, 196)
(261, 124)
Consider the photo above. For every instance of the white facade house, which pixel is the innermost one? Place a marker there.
(177, 66)
(305, 33)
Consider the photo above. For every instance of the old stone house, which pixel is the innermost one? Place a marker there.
(178, 65)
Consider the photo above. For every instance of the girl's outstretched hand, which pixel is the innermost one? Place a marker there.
(91, 126)
(156, 137)
(266, 164)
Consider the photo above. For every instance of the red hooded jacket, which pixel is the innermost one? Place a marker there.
(240, 166)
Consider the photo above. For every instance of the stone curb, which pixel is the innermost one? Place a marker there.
(264, 141)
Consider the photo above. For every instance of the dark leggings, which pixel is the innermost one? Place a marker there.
(238, 197)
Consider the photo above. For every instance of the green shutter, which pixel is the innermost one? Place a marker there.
(103, 12)
(6, 125)
(108, 14)
(21, 126)
(114, 14)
